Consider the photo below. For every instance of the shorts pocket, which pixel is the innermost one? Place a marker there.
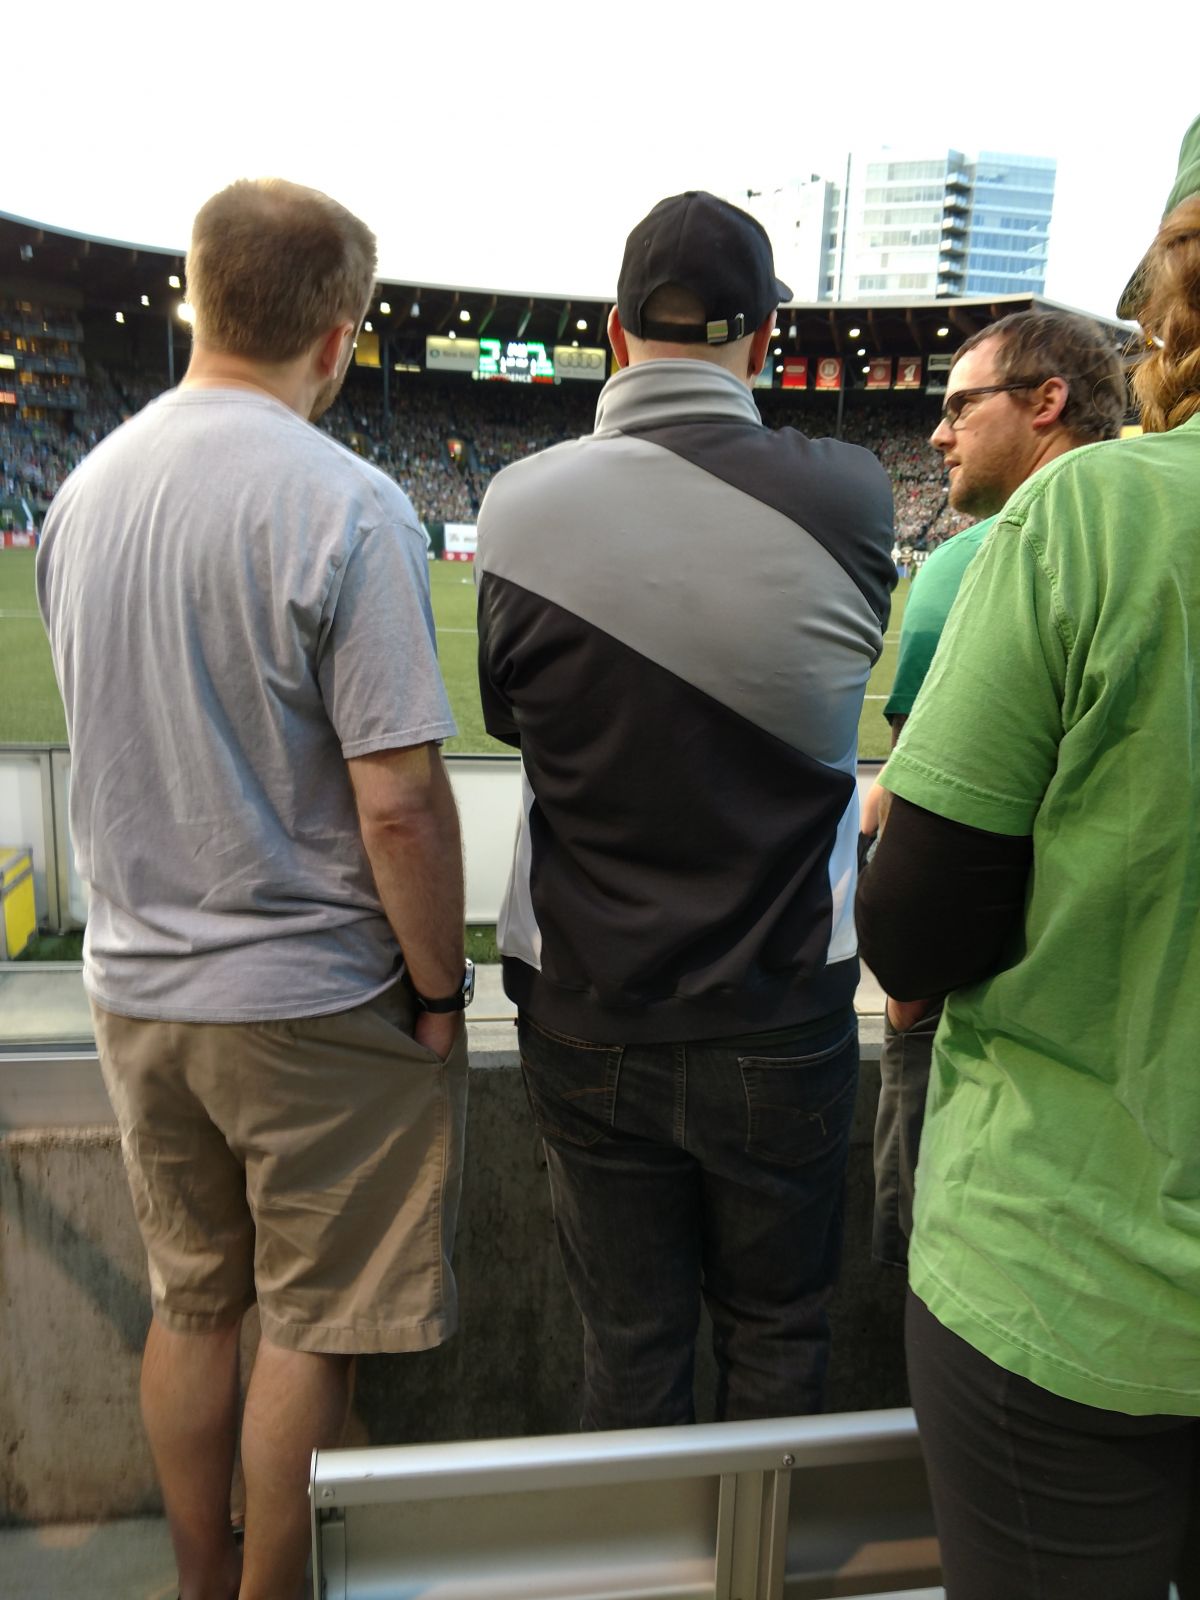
(571, 1085)
(799, 1108)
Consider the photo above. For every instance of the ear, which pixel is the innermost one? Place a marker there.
(1050, 401)
(333, 346)
(759, 346)
(616, 337)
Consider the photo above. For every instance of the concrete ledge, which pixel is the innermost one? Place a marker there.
(74, 1304)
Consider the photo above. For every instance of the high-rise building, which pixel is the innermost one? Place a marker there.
(911, 224)
(1011, 201)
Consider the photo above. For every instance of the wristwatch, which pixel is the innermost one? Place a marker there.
(459, 1000)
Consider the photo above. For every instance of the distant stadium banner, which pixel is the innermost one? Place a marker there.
(937, 369)
(458, 541)
(18, 541)
(795, 372)
(7, 363)
(366, 350)
(572, 361)
(515, 361)
(829, 373)
(908, 372)
(766, 378)
(451, 355)
(879, 373)
(7, 397)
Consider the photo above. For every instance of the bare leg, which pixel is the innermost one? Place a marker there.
(296, 1404)
(190, 1406)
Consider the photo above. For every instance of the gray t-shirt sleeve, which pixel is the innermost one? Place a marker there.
(377, 663)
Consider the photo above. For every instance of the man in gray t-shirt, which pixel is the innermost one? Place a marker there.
(239, 615)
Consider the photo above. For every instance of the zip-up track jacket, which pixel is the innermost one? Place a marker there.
(678, 615)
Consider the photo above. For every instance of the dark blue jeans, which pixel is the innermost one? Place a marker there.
(714, 1167)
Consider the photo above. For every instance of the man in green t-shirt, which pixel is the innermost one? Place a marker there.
(1021, 392)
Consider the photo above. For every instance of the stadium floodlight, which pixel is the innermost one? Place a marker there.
(464, 315)
(185, 312)
(582, 324)
(574, 344)
(385, 309)
(866, 369)
(778, 350)
(416, 309)
(174, 282)
(145, 299)
(942, 332)
(861, 351)
(453, 335)
(854, 332)
(120, 316)
(367, 328)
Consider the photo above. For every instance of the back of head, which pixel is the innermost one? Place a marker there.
(697, 277)
(1037, 345)
(1166, 382)
(273, 266)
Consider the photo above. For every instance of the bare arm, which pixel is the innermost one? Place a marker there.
(409, 827)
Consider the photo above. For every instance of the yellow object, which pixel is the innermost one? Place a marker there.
(19, 923)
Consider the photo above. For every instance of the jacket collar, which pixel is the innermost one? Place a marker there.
(654, 393)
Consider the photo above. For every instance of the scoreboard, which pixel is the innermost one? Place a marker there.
(515, 360)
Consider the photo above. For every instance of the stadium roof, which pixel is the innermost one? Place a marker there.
(106, 275)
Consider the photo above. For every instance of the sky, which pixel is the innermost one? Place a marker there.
(513, 146)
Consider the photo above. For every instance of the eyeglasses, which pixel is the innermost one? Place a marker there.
(954, 403)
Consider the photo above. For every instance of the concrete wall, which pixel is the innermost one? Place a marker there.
(74, 1311)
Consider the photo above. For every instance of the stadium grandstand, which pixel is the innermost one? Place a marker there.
(90, 330)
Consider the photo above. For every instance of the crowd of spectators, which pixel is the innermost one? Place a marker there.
(443, 443)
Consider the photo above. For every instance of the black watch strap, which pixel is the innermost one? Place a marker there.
(458, 1001)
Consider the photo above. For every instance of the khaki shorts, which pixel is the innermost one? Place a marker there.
(314, 1165)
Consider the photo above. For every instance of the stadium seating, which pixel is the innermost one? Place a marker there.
(493, 425)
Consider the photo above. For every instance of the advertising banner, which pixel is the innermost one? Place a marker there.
(829, 373)
(451, 355)
(459, 541)
(571, 361)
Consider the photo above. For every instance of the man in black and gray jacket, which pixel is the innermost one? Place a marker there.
(678, 615)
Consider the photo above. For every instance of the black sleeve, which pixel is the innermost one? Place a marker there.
(941, 905)
(498, 716)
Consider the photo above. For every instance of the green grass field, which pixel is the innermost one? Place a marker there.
(31, 712)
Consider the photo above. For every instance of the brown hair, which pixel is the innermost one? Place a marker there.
(273, 266)
(1058, 344)
(1166, 382)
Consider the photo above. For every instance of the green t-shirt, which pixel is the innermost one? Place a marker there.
(929, 600)
(1057, 1224)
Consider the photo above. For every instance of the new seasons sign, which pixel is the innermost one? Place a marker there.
(451, 355)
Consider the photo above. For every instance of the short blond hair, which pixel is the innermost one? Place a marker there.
(273, 265)
(1166, 382)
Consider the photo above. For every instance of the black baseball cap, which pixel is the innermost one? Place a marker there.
(721, 254)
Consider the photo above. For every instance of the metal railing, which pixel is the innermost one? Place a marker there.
(803, 1508)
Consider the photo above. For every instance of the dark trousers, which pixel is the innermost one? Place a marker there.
(715, 1167)
(903, 1086)
(1040, 1498)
